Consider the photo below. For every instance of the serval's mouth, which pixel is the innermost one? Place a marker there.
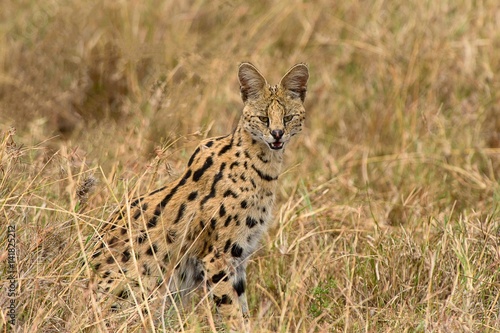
(276, 145)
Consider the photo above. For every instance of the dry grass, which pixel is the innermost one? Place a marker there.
(388, 216)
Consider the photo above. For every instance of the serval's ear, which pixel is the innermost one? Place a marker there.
(295, 81)
(251, 81)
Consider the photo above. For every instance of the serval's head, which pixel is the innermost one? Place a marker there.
(273, 114)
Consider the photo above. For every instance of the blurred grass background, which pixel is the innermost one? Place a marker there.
(387, 218)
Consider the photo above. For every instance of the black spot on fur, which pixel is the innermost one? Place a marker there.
(97, 266)
(219, 276)
(226, 148)
(137, 214)
(185, 178)
(222, 210)
(110, 260)
(142, 237)
(217, 178)
(200, 276)
(125, 256)
(158, 190)
(222, 137)
(227, 246)
(180, 213)
(191, 159)
(228, 221)
(135, 202)
(239, 286)
(192, 195)
(234, 164)
(251, 222)
(203, 251)
(152, 250)
(244, 204)
(147, 270)
(213, 222)
(123, 231)
(124, 294)
(198, 173)
(236, 250)
(106, 274)
(225, 299)
(113, 241)
(262, 175)
(230, 193)
(169, 196)
(119, 215)
(262, 157)
(152, 222)
(209, 144)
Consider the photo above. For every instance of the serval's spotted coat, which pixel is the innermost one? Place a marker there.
(202, 228)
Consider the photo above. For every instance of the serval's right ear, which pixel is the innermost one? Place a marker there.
(251, 81)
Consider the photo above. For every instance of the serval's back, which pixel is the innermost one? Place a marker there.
(175, 238)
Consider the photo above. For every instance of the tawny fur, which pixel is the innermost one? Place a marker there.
(220, 207)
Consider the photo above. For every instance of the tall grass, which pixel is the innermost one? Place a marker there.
(388, 217)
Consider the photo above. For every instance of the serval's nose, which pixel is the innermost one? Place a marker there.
(277, 134)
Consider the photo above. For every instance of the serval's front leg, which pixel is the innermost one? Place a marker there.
(226, 288)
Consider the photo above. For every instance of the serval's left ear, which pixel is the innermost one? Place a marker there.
(295, 81)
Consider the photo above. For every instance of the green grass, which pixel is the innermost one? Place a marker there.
(388, 215)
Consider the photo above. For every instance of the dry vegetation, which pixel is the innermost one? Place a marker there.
(388, 216)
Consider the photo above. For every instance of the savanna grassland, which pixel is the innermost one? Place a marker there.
(387, 218)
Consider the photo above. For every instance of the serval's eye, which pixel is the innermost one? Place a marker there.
(287, 118)
(264, 119)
